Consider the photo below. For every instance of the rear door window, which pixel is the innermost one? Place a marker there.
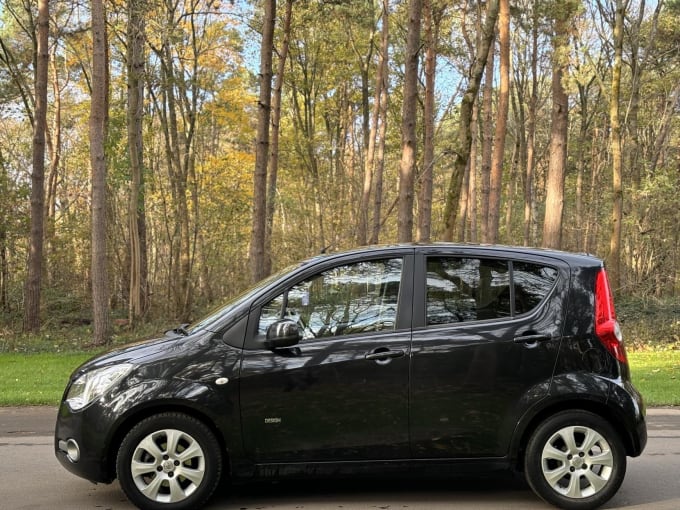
(463, 289)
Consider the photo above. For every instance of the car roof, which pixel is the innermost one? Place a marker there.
(574, 259)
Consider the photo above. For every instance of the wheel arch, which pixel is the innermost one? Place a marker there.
(138, 414)
(528, 426)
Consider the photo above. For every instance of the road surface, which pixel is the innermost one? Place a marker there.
(31, 478)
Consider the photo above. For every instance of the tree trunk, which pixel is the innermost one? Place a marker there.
(431, 19)
(496, 178)
(487, 144)
(559, 128)
(531, 136)
(382, 121)
(614, 262)
(274, 147)
(35, 253)
(136, 210)
(97, 129)
(257, 238)
(464, 140)
(407, 165)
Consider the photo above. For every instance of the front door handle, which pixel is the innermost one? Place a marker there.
(384, 355)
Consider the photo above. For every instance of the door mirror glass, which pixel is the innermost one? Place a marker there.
(283, 333)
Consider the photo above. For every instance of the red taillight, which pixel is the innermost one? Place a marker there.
(606, 326)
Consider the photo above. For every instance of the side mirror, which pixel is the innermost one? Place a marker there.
(283, 333)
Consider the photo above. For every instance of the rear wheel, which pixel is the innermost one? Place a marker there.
(169, 461)
(575, 460)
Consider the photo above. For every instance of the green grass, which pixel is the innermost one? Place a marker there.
(657, 375)
(36, 379)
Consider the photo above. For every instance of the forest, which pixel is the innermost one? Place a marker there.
(159, 156)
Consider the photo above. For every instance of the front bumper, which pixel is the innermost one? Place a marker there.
(81, 443)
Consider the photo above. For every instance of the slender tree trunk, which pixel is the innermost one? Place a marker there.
(382, 121)
(257, 238)
(370, 159)
(431, 19)
(496, 178)
(559, 129)
(531, 135)
(487, 144)
(274, 147)
(35, 254)
(464, 140)
(614, 262)
(136, 215)
(98, 123)
(407, 166)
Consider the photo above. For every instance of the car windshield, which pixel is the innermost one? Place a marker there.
(219, 312)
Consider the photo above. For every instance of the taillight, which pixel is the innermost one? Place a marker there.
(606, 326)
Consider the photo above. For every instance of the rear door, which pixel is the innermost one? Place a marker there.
(484, 348)
(342, 392)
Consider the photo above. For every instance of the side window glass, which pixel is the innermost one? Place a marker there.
(348, 299)
(532, 283)
(466, 289)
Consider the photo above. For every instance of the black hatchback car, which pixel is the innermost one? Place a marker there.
(393, 359)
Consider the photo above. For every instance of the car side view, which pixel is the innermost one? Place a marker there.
(398, 359)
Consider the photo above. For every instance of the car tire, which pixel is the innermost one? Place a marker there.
(169, 461)
(575, 460)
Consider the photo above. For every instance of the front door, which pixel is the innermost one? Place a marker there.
(342, 392)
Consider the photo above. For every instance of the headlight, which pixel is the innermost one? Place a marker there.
(91, 385)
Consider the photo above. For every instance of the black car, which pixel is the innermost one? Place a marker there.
(405, 359)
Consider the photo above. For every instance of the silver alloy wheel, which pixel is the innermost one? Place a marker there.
(577, 462)
(168, 465)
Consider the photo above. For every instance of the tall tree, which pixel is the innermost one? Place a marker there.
(559, 126)
(464, 139)
(136, 209)
(432, 18)
(258, 233)
(614, 260)
(275, 134)
(382, 96)
(407, 165)
(35, 254)
(496, 177)
(97, 131)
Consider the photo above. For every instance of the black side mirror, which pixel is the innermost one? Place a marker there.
(282, 333)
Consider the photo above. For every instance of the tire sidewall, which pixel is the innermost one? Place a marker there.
(533, 459)
(189, 425)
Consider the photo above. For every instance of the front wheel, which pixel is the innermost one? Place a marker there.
(575, 460)
(169, 461)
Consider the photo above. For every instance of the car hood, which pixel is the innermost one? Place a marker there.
(144, 351)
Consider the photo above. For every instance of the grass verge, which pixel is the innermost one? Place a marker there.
(40, 378)
(657, 375)
(36, 379)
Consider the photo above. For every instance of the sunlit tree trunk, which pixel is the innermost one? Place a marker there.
(614, 260)
(496, 177)
(432, 16)
(35, 254)
(559, 129)
(407, 165)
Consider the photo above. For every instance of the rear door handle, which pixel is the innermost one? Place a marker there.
(533, 338)
(383, 355)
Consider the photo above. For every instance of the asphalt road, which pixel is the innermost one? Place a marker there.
(31, 478)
